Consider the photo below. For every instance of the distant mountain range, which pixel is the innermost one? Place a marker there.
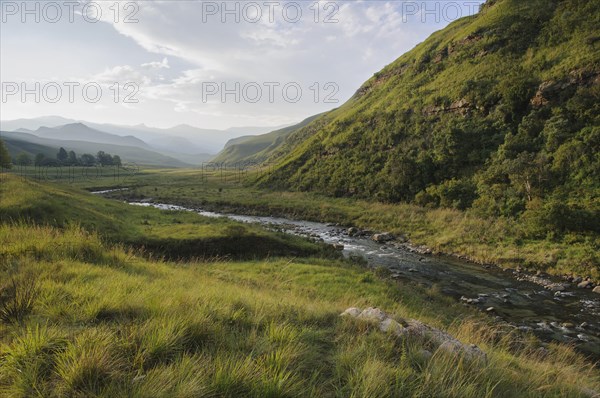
(32, 144)
(179, 146)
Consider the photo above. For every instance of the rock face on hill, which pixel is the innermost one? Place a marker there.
(413, 329)
(498, 112)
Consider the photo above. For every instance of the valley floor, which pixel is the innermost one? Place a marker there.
(84, 314)
(486, 241)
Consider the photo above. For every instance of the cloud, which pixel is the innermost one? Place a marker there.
(164, 64)
(176, 47)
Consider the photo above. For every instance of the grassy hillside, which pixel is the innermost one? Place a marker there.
(80, 317)
(16, 146)
(257, 148)
(172, 234)
(497, 114)
(127, 153)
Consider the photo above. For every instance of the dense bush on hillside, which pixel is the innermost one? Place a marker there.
(499, 113)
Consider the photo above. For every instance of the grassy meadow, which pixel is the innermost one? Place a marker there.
(84, 315)
(501, 241)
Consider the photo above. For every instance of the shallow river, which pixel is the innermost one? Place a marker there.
(571, 316)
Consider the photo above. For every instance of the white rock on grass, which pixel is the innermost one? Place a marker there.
(391, 326)
(416, 329)
(373, 314)
(353, 312)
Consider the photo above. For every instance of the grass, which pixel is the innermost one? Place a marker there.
(170, 234)
(498, 241)
(109, 323)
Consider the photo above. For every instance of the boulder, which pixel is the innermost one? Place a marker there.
(415, 329)
(596, 289)
(353, 231)
(391, 326)
(373, 314)
(584, 285)
(353, 312)
(470, 352)
(382, 238)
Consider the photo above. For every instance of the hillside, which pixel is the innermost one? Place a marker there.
(127, 153)
(17, 146)
(498, 113)
(257, 148)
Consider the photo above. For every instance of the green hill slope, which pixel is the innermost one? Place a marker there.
(258, 148)
(127, 153)
(173, 234)
(498, 113)
(15, 147)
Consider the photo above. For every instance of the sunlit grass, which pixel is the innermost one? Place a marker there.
(267, 328)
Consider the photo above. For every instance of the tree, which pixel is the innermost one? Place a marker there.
(23, 159)
(72, 158)
(116, 160)
(88, 159)
(104, 158)
(39, 159)
(62, 156)
(4, 156)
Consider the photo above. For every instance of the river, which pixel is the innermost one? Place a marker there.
(569, 316)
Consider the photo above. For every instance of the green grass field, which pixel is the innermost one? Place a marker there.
(500, 240)
(82, 315)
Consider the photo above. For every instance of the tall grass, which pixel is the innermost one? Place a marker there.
(266, 328)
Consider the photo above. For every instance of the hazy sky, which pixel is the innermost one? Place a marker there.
(203, 63)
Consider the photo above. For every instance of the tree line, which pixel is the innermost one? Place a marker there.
(63, 158)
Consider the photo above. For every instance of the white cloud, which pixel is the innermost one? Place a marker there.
(178, 49)
(164, 64)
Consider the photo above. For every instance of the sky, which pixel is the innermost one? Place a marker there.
(209, 64)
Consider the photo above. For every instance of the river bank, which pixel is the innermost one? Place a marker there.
(541, 304)
(487, 242)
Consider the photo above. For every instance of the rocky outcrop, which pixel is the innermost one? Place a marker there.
(462, 107)
(551, 89)
(414, 329)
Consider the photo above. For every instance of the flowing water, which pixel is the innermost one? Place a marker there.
(571, 315)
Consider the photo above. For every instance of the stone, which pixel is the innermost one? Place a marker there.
(373, 314)
(584, 284)
(391, 326)
(596, 289)
(556, 287)
(353, 231)
(353, 312)
(470, 352)
(490, 309)
(568, 325)
(382, 238)
(415, 329)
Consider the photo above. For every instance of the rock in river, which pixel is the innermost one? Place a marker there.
(382, 238)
